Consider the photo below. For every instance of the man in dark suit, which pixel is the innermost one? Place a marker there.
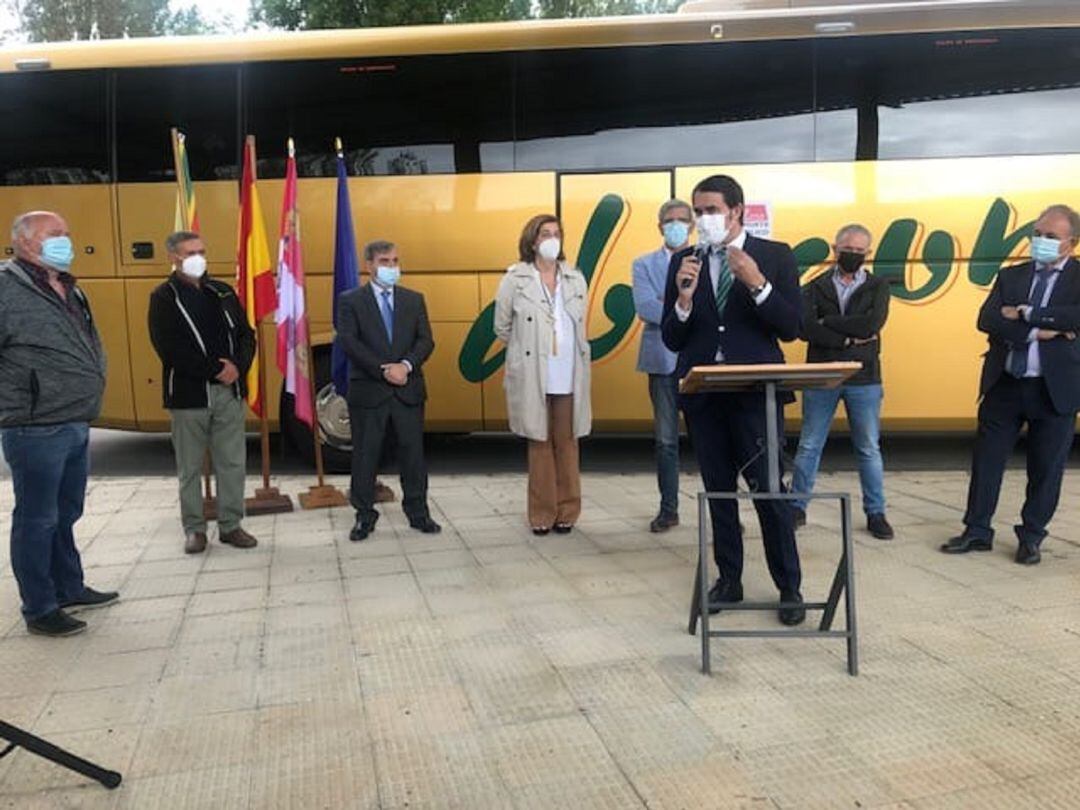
(729, 301)
(386, 335)
(1031, 375)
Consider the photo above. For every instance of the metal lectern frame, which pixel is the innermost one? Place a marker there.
(17, 738)
(771, 379)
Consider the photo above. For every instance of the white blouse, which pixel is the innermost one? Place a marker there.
(560, 377)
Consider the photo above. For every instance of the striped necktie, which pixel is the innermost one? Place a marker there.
(724, 281)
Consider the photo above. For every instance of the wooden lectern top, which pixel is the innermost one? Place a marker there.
(787, 376)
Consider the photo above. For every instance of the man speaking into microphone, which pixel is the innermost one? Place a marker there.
(731, 299)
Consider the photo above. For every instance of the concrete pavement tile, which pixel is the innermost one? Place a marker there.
(278, 686)
(212, 658)
(997, 796)
(406, 670)
(84, 797)
(187, 696)
(622, 684)
(221, 626)
(523, 698)
(228, 786)
(95, 709)
(306, 593)
(299, 648)
(375, 566)
(384, 635)
(234, 580)
(233, 601)
(717, 782)
(444, 771)
(116, 669)
(585, 645)
(195, 743)
(420, 714)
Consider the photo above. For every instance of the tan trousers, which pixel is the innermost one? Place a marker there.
(554, 473)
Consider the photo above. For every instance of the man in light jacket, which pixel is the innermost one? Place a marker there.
(52, 378)
(676, 223)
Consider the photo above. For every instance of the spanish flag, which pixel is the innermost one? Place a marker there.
(254, 268)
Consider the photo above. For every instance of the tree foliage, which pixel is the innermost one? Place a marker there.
(311, 14)
(60, 20)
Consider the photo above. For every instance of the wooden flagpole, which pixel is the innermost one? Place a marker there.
(267, 500)
(322, 495)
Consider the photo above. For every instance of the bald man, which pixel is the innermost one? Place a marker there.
(52, 377)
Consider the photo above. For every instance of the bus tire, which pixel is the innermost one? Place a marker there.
(331, 414)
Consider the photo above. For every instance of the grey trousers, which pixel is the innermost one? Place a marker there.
(219, 428)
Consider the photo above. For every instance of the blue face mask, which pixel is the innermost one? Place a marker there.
(387, 276)
(675, 233)
(1045, 250)
(57, 253)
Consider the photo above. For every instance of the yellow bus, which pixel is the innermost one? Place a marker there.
(945, 126)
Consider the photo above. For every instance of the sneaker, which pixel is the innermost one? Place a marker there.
(878, 526)
(90, 599)
(56, 624)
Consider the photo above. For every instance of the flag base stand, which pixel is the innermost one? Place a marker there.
(209, 508)
(323, 497)
(383, 493)
(268, 501)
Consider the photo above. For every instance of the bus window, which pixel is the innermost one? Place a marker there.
(409, 115)
(64, 124)
(948, 95)
(201, 101)
(638, 107)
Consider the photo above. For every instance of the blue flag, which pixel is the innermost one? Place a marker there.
(346, 272)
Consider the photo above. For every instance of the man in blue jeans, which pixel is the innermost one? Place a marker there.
(844, 310)
(676, 222)
(52, 377)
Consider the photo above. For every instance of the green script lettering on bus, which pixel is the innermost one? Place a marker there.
(992, 249)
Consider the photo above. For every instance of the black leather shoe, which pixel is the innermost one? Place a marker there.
(663, 522)
(540, 531)
(1028, 554)
(962, 544)
(56, 624)
(879, 527)
(562, 528)
(363, 527)
(798, 517)
(426, 525)
(722, 592)
(791, 616)
(90, 598)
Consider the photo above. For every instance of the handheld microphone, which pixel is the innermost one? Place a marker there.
(701, 253)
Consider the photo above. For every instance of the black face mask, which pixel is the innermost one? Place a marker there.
(849, 261)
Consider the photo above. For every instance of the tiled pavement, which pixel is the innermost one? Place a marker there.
(486, 668)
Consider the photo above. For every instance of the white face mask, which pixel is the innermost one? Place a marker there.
(549, 249)
(713, 229)
(194, 266)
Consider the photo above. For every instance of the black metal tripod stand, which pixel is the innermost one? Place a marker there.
(17, 738)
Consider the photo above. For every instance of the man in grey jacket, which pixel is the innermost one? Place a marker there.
(52, 377)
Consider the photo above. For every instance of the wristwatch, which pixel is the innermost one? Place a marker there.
(756, 291)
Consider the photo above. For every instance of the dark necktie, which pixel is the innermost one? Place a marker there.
(387, 315)
(1018, 360)
(724, 281)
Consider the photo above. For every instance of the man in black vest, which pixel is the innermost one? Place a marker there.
(385, 332)
(844, 310)
(1031, 375)
(201, 334)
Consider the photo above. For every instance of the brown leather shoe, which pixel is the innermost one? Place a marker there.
(195, 543)
(239, 538)
(383, 493)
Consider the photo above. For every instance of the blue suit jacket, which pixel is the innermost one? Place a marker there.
(1059, 358)
(748, 332)
(650, 279)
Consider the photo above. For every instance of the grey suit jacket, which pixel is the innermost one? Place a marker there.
(364, 339)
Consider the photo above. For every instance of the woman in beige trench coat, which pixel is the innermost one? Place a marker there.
(540, 315)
